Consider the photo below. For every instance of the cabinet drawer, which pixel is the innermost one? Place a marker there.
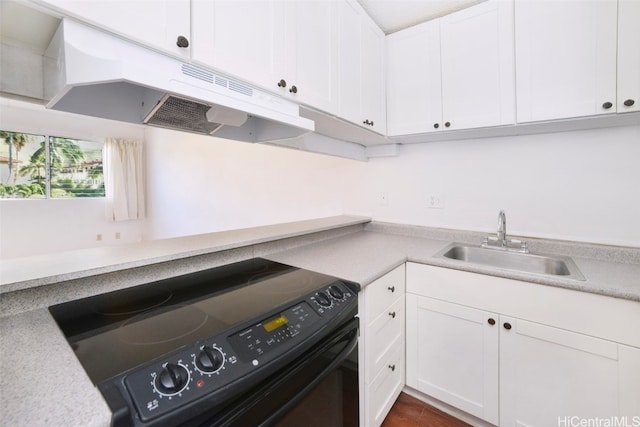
(384, 390)
(384, 292)
(383, 336)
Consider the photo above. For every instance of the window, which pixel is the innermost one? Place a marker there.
(41, 166)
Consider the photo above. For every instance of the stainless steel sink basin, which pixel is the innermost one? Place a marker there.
(550, 265)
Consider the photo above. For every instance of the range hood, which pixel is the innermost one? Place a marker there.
(93, 73)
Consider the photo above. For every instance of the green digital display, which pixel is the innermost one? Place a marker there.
(275, 323)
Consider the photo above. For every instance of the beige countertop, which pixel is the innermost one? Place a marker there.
(43, 383)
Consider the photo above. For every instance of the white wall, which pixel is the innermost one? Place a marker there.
(29, 227)
(196, 184)
(200, 184)
(582, 186)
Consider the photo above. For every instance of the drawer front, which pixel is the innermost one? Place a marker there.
(384, 335)
(386, 388)
(383, 292)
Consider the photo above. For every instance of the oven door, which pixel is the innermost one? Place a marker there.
(318, 389)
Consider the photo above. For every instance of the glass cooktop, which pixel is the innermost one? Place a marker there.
(114, 332)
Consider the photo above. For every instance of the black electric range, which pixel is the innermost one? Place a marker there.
(169, 351)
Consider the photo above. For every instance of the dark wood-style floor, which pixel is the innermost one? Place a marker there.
(411, 412)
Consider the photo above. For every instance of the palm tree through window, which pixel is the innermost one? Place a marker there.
(39, 166)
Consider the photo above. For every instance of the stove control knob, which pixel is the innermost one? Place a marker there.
(210, 359)
(335, 292)
(172, 379)
(323, 299)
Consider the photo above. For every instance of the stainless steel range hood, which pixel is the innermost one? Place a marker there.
(93, 73)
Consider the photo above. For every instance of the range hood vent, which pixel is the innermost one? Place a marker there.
(182, 114)
(93, 73)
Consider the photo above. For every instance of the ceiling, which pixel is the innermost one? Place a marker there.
(395, 15)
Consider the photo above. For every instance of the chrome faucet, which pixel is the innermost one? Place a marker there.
(501, 241)
(502, 229)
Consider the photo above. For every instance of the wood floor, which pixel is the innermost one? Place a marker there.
(411, 412)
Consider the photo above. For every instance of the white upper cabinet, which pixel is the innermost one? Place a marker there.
(316, 44)
(566, 58)
(414, 94)
(245, 39)
(372, 74)
(162, 24)
(477, 66)
(362, 69)
(349, 60)
(628, 56)
(288, 48)
(456, 72)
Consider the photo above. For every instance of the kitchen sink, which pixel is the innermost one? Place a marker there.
(551, 265)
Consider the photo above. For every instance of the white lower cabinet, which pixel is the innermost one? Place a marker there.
(549, 375)
(452, 355)
(503, 350)
(385, 389)
(381, 307)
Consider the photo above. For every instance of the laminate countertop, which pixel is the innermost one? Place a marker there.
(42, 382)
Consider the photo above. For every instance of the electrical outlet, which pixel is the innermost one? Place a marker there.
(435, 201)
(98, 237)
(117, 235)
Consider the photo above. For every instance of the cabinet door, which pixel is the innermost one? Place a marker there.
(628, 56)
(478, 66)
(361, 74)
(155, 23)
(565, 58)
(316, 55)
(629, 374)
(452, 355)
(414, 95)
(349, 62)
(372, 77)
(245, 39)
(548, 375)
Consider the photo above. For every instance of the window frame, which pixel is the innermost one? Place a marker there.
(48, 172)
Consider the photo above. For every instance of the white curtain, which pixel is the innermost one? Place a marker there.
(124, 179)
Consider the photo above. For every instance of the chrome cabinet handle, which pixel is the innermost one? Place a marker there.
(392, 288)
(392, 367)
(392, 314)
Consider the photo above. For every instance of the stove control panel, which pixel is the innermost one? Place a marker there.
(164, 386)
(208, 368)
(273, 332)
